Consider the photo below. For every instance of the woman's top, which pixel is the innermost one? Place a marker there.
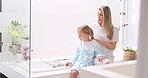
(100, 33)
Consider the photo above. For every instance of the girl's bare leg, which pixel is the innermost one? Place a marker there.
(74, 74)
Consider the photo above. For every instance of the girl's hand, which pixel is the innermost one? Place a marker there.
(101, 58)
(106, 61)
(68, 64)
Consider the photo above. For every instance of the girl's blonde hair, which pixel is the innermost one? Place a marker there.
(107, 21)
(87, 30)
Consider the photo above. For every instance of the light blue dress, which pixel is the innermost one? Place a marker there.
(85, 54)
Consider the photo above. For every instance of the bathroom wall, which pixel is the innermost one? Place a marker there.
(142, 64)
(131, 30)
(133, 24)
(55, 23)
(115, 11)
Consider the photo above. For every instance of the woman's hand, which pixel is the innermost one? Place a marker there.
(101, 58)
(109, 45)
(68, 64)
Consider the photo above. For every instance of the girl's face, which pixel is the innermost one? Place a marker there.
(100, 17)
(82, 36)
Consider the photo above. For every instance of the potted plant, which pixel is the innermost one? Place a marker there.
(16, 33)
(129, 54)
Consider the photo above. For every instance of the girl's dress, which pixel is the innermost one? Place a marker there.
(85, 54)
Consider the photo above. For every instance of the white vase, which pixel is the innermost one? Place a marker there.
(18, 57)
(15, 48)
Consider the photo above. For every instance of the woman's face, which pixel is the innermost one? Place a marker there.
(100, 16)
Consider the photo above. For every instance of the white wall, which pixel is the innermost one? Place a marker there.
(55, 22)
(131, 38)
(133, 24)
(115, 11)
(142, 65)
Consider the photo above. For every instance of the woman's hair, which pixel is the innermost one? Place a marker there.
(107, 21)
(87, 30)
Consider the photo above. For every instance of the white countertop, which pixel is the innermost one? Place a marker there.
(12, 71)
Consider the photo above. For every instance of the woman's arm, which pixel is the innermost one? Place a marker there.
(108, 45)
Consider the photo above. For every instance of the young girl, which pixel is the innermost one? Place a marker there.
(87, 50)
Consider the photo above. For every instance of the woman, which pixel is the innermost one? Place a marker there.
(105, 33)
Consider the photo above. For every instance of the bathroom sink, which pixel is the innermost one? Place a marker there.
(128, 70)
(115, 70)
